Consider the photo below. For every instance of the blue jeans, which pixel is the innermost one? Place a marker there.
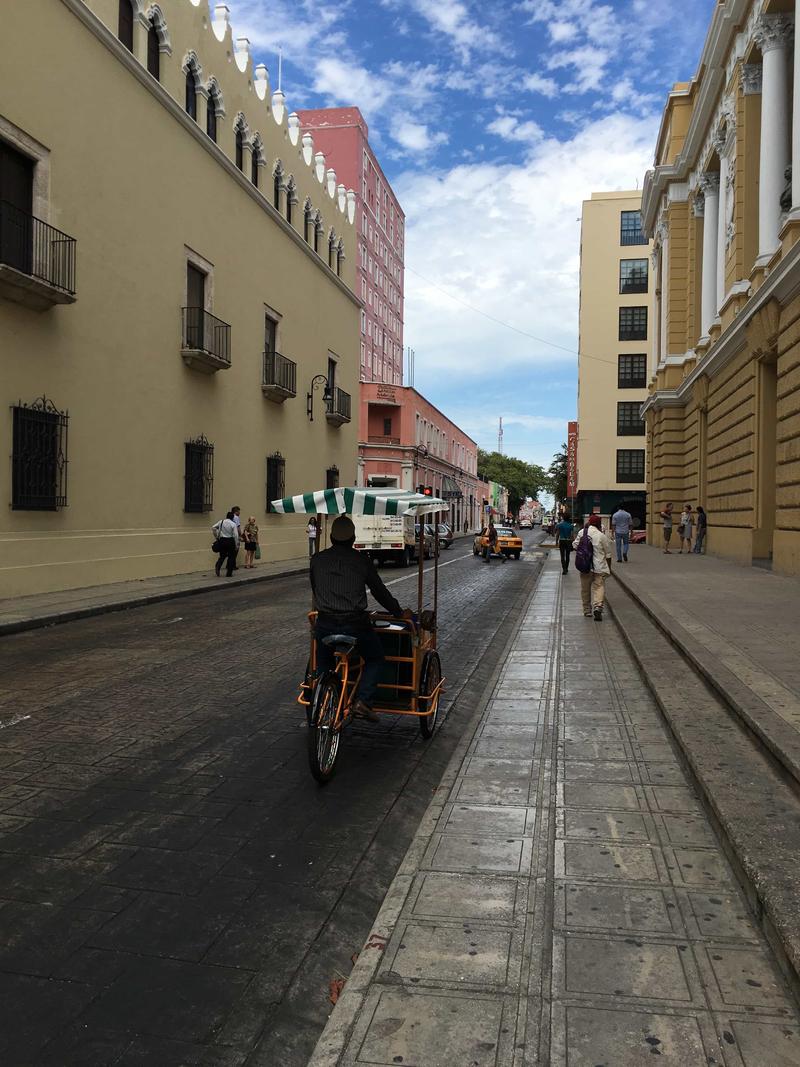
(698, 544)
(622, 545)
(369, 648)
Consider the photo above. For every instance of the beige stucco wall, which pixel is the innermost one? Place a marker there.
(135, 187)
(598, 394)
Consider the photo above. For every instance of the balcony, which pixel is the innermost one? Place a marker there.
(205, 341)
(377, 439)
(37, 261)
(337, 409)
(280, 377)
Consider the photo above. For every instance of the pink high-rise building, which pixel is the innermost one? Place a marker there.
(343, 135)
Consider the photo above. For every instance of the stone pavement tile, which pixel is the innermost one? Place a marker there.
(467, 953)
(507, 748)
(167, 872)
(692, 867)
(775, 1044)
(434, 1029)
(625, 827)
(503, 731)
(673, 798)
(603, 795)
(598, 748)
(165, 831)
(586, 1036)
(167, 998)
(32, 1011)
(662, 773)
(480, 897)
(504, 790)
(508, 855)
(600, 771)
(489, 819)
(742, 977)
(608, 860)
(605, 732)
(36, 937)
(485, 766)
(44, 880)
(684, 829)
(717, 915)
(646, 910)
(147, 1051)
(74, 1045)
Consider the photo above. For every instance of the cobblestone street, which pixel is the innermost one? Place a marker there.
(175, 887)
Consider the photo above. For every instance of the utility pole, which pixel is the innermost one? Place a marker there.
(500, 437)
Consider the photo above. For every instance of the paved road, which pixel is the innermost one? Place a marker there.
(174, 888)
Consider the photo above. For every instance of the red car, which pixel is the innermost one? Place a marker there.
(639, 537)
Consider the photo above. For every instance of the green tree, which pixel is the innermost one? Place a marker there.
(520, 478)
(557, 475)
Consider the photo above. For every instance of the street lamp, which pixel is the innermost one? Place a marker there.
(316, 381)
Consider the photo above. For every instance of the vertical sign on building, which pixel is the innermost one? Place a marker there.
(572, 459)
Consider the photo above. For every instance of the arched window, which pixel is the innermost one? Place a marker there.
(255, 162)
(211, 114)
(307, 223)
(331, 248)
(339, 256)
(291, 199)
(317, 232)
(276, 188)
(240, 148)
(125, 24)
(191, 92)
(153, 50)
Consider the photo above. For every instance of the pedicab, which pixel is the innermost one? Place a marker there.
(411, 682)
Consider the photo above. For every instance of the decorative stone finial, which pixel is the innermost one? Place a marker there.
(261, 81)
(221, 21)
(319, 164)
(331, 182)
(341, 194)
(308, 148)
(293, 123)
(278, 107)
(242, 52)
(351, 205)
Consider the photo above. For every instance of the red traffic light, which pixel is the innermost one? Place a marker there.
(428, 490)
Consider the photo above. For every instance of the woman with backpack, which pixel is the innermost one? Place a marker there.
(592, 560)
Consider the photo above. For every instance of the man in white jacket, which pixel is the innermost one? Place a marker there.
(593, 583)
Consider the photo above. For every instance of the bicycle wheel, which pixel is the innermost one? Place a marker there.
(430, 676)
(323, 738)
(309, 682)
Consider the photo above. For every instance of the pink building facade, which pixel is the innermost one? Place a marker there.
(406, 442)
(342, 134)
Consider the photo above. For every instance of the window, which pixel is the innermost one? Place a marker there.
(317, 232)
(632, 372)
(255, 162)
(239, 148)
(363, 321)
(629, 423)
(276, 189)
(191, 93)
(633, 276)
(276, 479)
(387, 427)
(291, 200)
(332, 477)
(270, 334)
(630, 464)
(339, 257)
(198, 475)
(39, 457)
(633, 324)
(331, 374)
(306, 222)
(331, 248)
(125, 24)
(631, 228)
(211, 116)
(153, 50)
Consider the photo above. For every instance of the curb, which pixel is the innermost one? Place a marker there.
(71, 615)
(333, 1041)
(780, 739)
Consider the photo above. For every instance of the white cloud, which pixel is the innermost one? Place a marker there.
(347, 83)
(452, 20)
(589, 63)
(537, 83)
(511, 128)
(416, 136)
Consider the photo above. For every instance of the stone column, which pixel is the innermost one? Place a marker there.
(656, 309)
(773, 35)
(663, 302)
(722, 219)
(709, 183)
(796, 119)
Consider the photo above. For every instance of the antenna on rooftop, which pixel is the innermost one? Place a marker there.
(500, 437)
(280, 66)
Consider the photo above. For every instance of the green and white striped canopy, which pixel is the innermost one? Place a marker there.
(356, 501)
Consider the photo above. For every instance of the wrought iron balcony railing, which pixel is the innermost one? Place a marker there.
(39, 251)
(205, 340)
(280, 376)
(338, 407)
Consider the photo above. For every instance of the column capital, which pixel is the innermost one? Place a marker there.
(751, 79)
(773, 31)
(699, 207)
(709, 183)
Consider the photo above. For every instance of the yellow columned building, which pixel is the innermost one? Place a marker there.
(723, 206)
(178, 328)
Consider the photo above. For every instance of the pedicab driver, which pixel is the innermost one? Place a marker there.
(340, 577)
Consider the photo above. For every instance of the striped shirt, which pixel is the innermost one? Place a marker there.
(340, 577)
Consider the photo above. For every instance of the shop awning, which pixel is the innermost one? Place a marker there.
(358, 501)
(450, 488)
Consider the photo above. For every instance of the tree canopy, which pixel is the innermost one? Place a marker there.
(557, 475)
(520, 478)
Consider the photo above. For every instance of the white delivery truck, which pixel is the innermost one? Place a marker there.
(387, 538)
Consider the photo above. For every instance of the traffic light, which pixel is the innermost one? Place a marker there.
(421, 490)
(428, 490)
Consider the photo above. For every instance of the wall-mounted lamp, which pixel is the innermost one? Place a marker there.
(316, 381)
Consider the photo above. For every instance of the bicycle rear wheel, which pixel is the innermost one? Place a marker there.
(430, 676)
(323, 738)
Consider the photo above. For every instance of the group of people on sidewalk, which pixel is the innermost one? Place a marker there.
(689, 520)
(229, 535)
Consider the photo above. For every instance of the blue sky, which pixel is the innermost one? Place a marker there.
(493, 122)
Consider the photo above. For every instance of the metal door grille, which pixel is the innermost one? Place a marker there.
(199, 475)
(39, 457)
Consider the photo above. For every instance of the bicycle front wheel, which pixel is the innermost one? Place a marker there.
(323, 737)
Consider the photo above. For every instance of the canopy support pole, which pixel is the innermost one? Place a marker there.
(436, 519)
(421, 562)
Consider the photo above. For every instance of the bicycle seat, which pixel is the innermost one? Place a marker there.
(340, 642)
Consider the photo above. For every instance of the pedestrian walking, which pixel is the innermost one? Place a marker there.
(702, 526)
(491, 543)
(685, 528)
(311, 532)
(226, 533)
(596, 557)
(621, 522)
(566, 532)
(251, 546)
(666, 517)
(236, 515)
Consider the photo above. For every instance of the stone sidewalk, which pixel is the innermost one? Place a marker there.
(565, 900)
(738, 626)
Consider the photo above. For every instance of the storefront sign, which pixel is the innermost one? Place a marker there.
(572, 458)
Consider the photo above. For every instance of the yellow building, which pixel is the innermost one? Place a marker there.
(615, 328)
(176, 290)
(723, 204)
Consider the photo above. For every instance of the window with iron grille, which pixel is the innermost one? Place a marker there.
(629, 422)
(332, 477)
(633, 276)
(630, 229)
(630, 464)
(198, 475)
(633, 324)
(39, 457)
(632, 371)
(276, 479)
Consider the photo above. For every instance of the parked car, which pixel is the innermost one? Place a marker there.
(526, 524)
(445, 535)
(429, 541)
(639, 537)
(508, 543)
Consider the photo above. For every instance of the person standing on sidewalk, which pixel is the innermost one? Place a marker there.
(621, 522)
(685, 528)
(227, 533)
(566, 532)
(311, 532)
(236, 517)
(593, 582)
(702, 526)
(666, 516)
(250, 542)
